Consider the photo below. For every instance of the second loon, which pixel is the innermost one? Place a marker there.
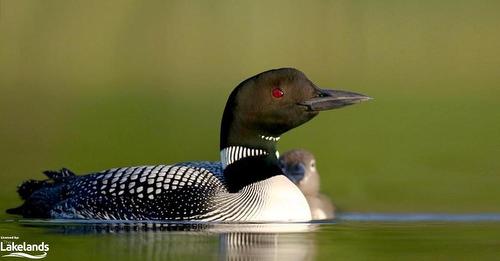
(247, 186)
(299, 166)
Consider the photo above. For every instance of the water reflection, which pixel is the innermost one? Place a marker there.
(250, 246)
(224, 241)
(354, 236)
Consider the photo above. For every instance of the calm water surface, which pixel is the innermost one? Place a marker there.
(351, 237)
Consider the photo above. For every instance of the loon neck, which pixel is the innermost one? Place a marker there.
(233, 154)
(238, 142)
(248, 150)
(244, 163)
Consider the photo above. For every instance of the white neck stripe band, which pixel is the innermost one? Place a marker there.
(232, 154)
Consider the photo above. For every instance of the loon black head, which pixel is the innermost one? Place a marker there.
(262, 108)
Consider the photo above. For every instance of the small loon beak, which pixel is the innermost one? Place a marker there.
(295, 172)
(333, 99)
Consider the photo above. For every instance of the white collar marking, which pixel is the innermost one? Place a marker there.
(232, 154)
(270, 138)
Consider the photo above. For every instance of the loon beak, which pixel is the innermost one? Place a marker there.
(295, 172)
(333, 99)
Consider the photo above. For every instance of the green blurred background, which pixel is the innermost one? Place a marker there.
(91, 85)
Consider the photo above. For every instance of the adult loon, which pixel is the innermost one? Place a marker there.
(300, 167)
(247, 185)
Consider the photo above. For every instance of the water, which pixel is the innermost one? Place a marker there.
(350, 237)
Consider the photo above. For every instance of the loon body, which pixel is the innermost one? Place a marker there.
(247, 185)
(300, 167)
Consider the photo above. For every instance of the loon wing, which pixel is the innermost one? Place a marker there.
(162, 192)
(143, 192)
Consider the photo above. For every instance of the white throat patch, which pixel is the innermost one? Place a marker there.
(270, 138)
(231, 154)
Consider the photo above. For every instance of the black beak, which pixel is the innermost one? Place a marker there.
(295, 172)
(333, 99)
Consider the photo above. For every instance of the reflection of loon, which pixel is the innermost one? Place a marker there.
(300, 167)
(266, 246)
(205, 241)
(251, 186)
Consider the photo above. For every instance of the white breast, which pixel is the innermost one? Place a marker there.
(282, 201)
(275, 199)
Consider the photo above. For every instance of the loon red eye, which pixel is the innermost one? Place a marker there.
(278, 93)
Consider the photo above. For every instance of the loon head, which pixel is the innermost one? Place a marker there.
(300, 167)
(263, 107)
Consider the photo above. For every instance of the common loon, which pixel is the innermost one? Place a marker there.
(247, 185)
(300, 167)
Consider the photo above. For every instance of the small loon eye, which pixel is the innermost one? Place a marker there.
(278, 93)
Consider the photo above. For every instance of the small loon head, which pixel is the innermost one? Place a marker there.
(265, 106)
(300, 167)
